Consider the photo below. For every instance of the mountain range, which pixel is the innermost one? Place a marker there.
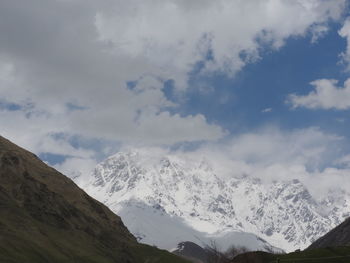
(46, 217)
(190, 200)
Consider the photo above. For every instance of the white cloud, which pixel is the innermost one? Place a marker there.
(340, 120)
(126, 115)
(270, 154)
(184, 31)
(318, 31)
(309, 147)
(345, 33)
(69, 168)
(82, 53)
(343, 160)
(266, 110)
(326, 95)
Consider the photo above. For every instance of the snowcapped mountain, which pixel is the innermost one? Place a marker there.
(192, 200)
(152, 225)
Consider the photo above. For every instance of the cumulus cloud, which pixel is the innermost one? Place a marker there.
(66, 65)
(268, 154)
(345, 33)
(326, 95)
(127, 115)
(309, 147)
(233, 31)
(266, 110)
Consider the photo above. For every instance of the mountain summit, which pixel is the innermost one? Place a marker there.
(45, 217)
(188, 194)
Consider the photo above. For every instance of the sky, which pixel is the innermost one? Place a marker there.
(261, 87)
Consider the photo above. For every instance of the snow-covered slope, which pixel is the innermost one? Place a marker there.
(282, 213)
(152, 225)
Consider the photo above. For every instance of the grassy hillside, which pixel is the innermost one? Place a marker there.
(329, 255)
(45, 217)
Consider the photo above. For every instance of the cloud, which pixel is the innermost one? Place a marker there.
(309, 147)
(326, 95)
(345, 33)
(344, 160)
(269, 154)
(266, 110)
(232, 31)
(318, 32)
(65, 65)
(126, 115)
(55, 69)
(69, 167)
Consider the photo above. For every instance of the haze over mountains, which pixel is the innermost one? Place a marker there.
(190, 202)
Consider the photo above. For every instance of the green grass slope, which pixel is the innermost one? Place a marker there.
(45, 217)
(320, 255)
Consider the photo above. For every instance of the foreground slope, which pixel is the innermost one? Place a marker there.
(320, 255)
(45, 217)
(334, 247)
(339, 236)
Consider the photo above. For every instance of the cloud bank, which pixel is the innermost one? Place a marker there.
(97, 69)
(309, 155)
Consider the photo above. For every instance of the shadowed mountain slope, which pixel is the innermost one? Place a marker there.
(339, 236)
(45, 217)
(334, 247)
(193, 252)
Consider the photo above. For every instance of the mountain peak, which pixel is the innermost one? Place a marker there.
(284, 213)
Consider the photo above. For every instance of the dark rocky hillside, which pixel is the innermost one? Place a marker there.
(45, 217)
(193, 252)
(334, 247)
(339, 236)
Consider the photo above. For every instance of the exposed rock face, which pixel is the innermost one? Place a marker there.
(45, 217)
(283, 213)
